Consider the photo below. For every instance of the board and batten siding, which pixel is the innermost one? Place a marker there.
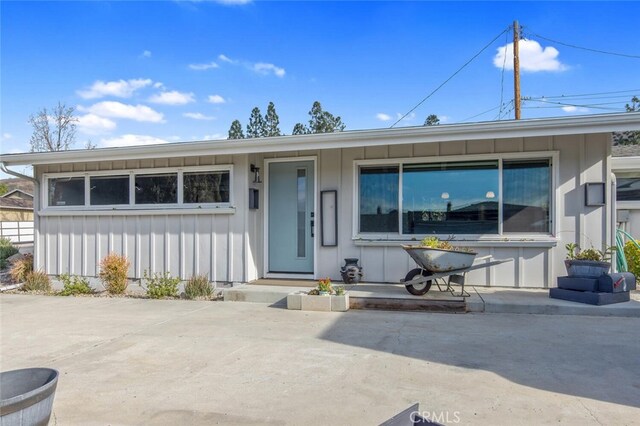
(182, 244)
(582, 159)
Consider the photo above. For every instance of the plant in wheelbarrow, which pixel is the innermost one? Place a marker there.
(587, 263)
(434, 256)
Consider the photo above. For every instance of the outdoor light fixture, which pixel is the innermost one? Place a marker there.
(490, 194)
(445, 196)
(256, 173)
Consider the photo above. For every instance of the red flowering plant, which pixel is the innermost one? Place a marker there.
(324, 286)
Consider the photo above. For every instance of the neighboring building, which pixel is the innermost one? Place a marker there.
(16, 209)
(512, 189)
(626, 166)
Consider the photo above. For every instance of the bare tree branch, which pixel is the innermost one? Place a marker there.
(53, 132)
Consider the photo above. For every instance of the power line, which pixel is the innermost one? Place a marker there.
(484, 112)
(584, 48)
(504, 63)
(594, 106)
(581, 95)
(452, 75)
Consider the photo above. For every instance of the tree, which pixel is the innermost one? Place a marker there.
(53, 131)
(4, 188)
(235, 131)
(256, 126)
(300, 129)
(323, 121)
(271, 121)
(630, 137)
(432, 120)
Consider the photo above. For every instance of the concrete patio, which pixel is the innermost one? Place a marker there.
(130, 361)
(481, 299)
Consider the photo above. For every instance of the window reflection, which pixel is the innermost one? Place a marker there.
(450, 198)
(527, 196)
(66, 192)
(627, 187)
(379, 199)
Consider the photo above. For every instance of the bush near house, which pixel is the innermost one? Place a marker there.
(198, 286)
(7, 249)
(113, 273)
(74, 285)
(160, 285)
(37, 281)
(632, 253)
(20, 268)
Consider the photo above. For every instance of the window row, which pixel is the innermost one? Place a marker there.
(628, 186)
(456, 197)
(202, 187)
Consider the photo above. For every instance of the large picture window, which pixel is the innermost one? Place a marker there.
(452, 198)
(157, 189)
(628, 186)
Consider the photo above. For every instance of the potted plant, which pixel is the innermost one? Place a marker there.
(324, 287)
(587, 263)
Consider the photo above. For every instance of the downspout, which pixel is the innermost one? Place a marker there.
(614, 220)
(4, 169)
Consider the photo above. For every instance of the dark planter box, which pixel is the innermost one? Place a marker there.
(586, 268)
(578, 283)
(589, 297)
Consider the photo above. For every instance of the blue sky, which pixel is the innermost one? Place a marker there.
(145, 72)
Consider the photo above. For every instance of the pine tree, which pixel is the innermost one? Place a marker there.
(432, 120)
(300, 129)
(272, 121)
(256, 126)
(235, 131)
(323, 121)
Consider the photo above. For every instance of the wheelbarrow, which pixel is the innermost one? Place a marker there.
(444, 267)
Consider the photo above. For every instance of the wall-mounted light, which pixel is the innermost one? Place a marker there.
(445, 196)
(490, 194)
(256, 173)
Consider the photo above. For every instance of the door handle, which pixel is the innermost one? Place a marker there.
(312, 225)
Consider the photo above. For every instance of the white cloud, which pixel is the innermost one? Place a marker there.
(198, 116)
(533, 57)
(383, 117)
(216, 99)
(93, 124)
(264, 68)
(444, 118)
(158, 85)
(214, 136)
(571, 108)
(146, 54)
(172, 98)
(233, 2)
(113, 109)
(203, 67)
(409, 117)
(225, 58)
(119, 89)
(6, 136)
(131, 140)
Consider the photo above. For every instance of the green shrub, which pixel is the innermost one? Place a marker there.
(74, 285)
(632, 253)
(113, 273)
(7, 249)
(21, 267)
(198, 286)
(161, 285)
(37, 281)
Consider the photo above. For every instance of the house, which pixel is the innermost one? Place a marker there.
(16, 205)
(296, 206)
(626, 166)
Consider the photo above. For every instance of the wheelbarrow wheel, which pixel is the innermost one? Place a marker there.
(417, 289)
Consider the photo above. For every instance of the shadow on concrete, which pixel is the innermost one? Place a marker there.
(589, 357)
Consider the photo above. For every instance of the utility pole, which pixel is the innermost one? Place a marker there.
(516, 69)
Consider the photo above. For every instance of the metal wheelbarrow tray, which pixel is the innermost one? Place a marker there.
(444, 267)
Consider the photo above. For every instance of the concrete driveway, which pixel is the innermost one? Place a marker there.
(130, 361)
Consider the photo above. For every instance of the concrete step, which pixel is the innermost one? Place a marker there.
(259, 294)
(416, 304)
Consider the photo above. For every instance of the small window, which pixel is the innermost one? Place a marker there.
(379, 199)
(628, 187)
(156, 189)
(66, 192)
(526, 193)
(109, 190)
(206, 187)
